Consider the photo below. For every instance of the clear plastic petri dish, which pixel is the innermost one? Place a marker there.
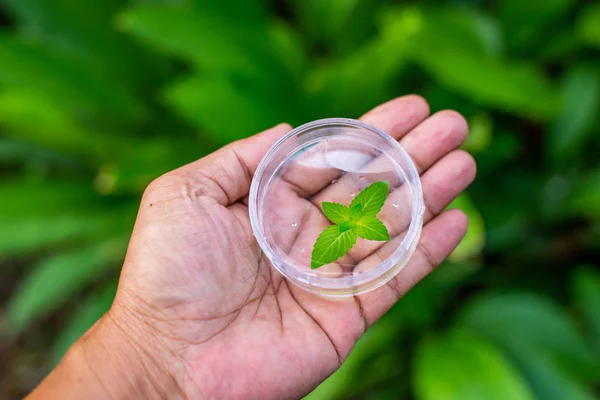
(333, 160)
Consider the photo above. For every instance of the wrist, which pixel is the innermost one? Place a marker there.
(109, 363)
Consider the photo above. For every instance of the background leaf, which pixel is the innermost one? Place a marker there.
(55, 279)
(48, 71)
(99, 98)
(574, 125)
(65, 24)
(586, 289)
(587, 26)
(526, 22)
(518, 321)
(465, 366)
(474, 241)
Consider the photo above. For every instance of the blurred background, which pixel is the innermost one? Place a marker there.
(99, 97)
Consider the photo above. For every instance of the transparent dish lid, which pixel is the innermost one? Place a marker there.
(334, 160)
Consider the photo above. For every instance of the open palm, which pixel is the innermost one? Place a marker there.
(217, 317)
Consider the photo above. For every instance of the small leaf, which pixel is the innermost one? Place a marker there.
(331, 244)
(345, 226)
(372, 198)
(336, 213)
(355, 212)
(371, 228)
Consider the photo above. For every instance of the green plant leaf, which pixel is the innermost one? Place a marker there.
(586, 288)
(371, 228)
(580, 105)
(588, 26)
(372, 198)
(47, 71)
(336, 213)
(39, 232)
(209, 102)
(331, 244)
(86, 314)
(45, 198)
(345, 226)
(467, 367)
(519, 320)
(66, 24)
(188, 30)
(289, 49)
(355, 212)
(585, 196)
(377, 340)
(546, 379)
(363, 79)
(480, 133)
(472, 244)
(337, 24)
(520, 88)
(53, 280)
(529, 24)
(37, 117)
(492, 82)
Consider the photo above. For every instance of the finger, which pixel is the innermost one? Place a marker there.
(438, 239)
(396, 117)
(226, 174)
(442, 183)
(426, 144)
(439, 134)
(431, 140)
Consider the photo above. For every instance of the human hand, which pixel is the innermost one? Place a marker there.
(200, 313)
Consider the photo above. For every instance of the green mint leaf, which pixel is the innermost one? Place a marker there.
(336, 213)
(345, 226)
(331, 244)
(371, 228)
(359, 219)
(371, 199)
(355, 212)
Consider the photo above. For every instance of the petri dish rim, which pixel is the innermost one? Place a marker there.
(348, 285)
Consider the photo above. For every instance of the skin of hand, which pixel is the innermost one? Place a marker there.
(201, 314)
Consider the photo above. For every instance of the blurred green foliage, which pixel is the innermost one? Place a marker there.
(99, 97)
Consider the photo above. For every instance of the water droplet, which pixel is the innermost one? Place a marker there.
(396, 205)
(294, 224)
(352, 195)
(333, 182)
